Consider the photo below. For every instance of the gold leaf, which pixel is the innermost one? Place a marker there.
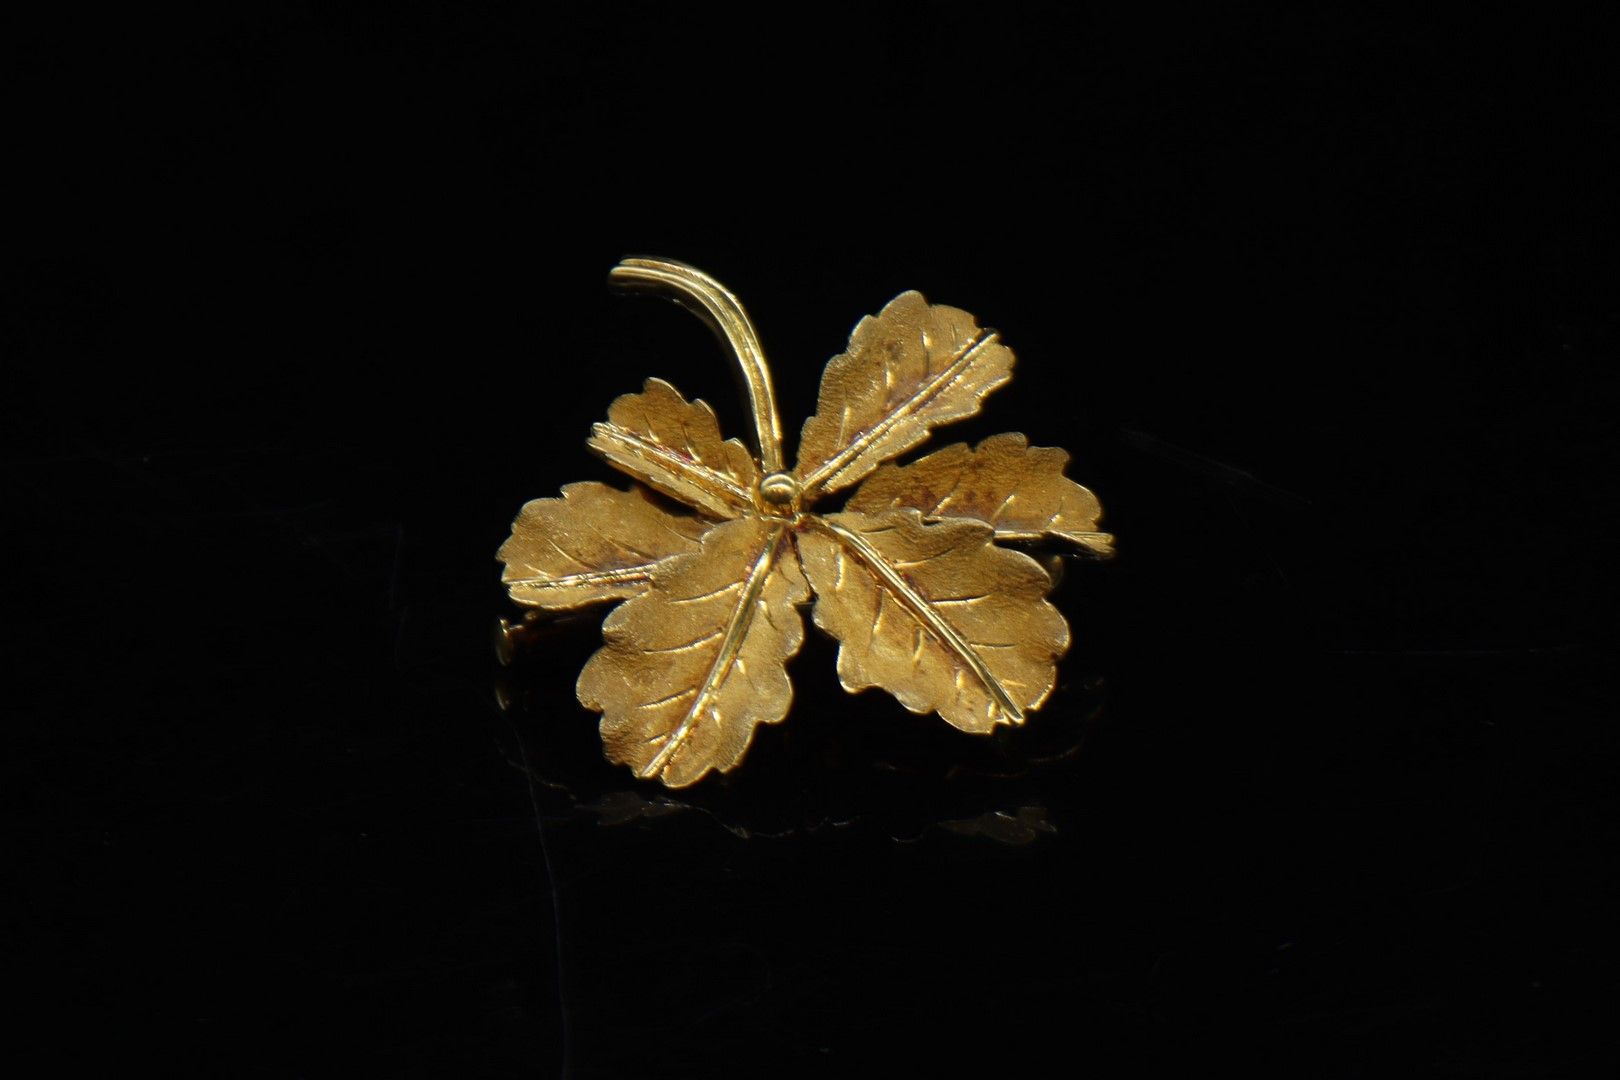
(935, 614)
(908, 369)
(595, 543)
(1017, 489)
(694, 664)
(908, 578)
(674, 445)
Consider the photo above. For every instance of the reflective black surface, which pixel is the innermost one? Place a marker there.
(1324, 312)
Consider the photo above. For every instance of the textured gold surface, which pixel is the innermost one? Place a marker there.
(595, 543)
(693, 665)
(714, 304)
(909, 368)
(1017, 489)
(937, 615)
(909, 579)
(674, 445)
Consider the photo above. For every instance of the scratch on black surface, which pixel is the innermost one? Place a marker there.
(556, 899)
(1202, 463)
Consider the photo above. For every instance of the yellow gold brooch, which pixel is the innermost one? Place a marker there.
(907, 576)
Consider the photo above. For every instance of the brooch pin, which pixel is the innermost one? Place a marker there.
(908, 576)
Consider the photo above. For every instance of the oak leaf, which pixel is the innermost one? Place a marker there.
(1017, 489)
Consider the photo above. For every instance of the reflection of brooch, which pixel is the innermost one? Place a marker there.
(907, 577)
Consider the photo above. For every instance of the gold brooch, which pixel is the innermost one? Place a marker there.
(908, 576)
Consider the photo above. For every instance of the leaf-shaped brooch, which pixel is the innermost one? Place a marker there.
(908, 576)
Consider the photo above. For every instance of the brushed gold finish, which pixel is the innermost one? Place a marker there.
(674, 445)
(715, 305)
(693, 665)
(1016, 488)
(908, 578)
(911, 367)
(935, 614)
(595, 543)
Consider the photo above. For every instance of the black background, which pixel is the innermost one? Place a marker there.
(307, 302)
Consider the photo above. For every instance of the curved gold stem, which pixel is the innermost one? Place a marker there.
(715, 305)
